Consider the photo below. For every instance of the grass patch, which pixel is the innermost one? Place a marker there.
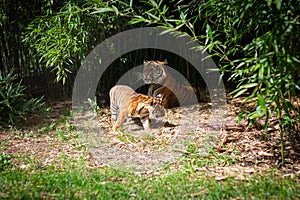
(5, 161)
(61, 169)
(127, 137)
(110, 183)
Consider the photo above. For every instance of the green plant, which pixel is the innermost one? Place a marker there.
(257, 48)
(47, 128)
(127, 137)
(108, 183)
(46, 111)
(195, 156)
(63, 134)
(5, 161)
(61, 38)
(192, 148)
(14, 103)
(93, 105)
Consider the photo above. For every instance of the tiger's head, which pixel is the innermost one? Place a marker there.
(153, 107)
(157, 112)
(154, 72)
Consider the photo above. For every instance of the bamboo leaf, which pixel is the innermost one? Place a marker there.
(103, 10)
(261, 103)
(255, 115)
(269, 2)
(153, 16)
(278, 4)
(249, 85)
(240, 92)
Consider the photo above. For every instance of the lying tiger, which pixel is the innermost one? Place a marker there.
(162, 82)
(124, 101)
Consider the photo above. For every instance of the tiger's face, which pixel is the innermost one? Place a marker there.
(151, 108)
(151, 112)
(155, 108)
(157, 112)
(154, 72)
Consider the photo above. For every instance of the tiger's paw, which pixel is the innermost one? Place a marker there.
(116, 128)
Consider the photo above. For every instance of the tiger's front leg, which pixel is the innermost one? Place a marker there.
(114, 115)
(146, 123)
(120, 120)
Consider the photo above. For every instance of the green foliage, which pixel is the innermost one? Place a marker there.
(259, 40)
(65, 135)
(47, 128)
(259, 45)
(14, 103)
(93, 106)
(58, 40)
(5, 161)
(195, 157)
(108, 183)
(61, 39)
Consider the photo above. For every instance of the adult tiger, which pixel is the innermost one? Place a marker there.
(162, 82)
(124, 101)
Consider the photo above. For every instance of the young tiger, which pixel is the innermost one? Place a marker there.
(162, 82)
(124, 101)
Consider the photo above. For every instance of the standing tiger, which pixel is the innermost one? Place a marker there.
(162, 82)
(124, 101)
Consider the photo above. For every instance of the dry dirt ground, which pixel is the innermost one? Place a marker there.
(171, 140)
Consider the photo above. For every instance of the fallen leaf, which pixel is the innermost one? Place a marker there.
(199, 193)
(262, 153)
(220, 178)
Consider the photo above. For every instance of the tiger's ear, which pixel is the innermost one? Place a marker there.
(166, 61)
(145, 62)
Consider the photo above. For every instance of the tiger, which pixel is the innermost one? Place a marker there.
(124, 101)
(162, 82)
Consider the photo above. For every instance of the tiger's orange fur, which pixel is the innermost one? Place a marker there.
(162, 82)
(124, 101)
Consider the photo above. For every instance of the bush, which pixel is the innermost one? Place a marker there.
(260, 50)
(14, 103)
(62, 39)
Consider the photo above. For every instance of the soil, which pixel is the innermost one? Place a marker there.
(182, 128)
(186, 127)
